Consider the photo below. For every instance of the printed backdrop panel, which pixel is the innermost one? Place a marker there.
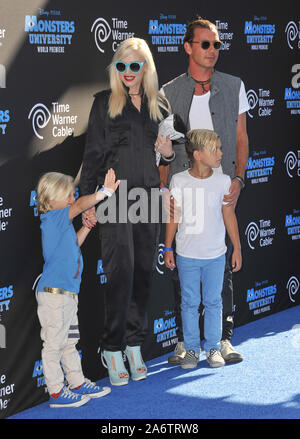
(53, 58)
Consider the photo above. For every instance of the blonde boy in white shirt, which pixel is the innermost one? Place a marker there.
(200, 243)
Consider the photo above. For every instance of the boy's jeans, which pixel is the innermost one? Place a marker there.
(210, 272)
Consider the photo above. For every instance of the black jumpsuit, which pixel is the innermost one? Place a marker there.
(126, 144)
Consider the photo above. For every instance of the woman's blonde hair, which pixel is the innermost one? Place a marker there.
(118, 95)
(53, 186)
(197, 140)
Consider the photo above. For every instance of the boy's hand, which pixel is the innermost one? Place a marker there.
(236, 260)
(110, 182)
(169, 260)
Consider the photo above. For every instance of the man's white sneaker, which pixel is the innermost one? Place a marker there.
(178, 355)
(228, 352)
(214, 358)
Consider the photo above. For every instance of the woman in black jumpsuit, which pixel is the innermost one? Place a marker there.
(122, 132)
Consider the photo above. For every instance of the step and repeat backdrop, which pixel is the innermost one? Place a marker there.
(53, 58)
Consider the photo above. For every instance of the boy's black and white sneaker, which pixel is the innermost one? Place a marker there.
(214, 358)
(190, 360)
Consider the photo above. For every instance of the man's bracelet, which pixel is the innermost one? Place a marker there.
(167, 249)
(105, 191)
(240, 179)
(169, 159)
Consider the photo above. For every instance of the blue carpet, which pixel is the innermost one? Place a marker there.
(265, 385)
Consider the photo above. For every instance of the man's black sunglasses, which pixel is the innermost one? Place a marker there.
(206, 44)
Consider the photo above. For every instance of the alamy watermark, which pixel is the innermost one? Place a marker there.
(2, 336)
(141, 205)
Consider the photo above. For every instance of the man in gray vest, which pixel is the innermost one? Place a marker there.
(206, 98)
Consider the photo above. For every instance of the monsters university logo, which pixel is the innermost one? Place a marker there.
(292, 92)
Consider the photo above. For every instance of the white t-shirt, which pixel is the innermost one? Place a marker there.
(200, 116)
(201, 229)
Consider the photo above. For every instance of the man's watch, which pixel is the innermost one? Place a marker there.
(240, 179)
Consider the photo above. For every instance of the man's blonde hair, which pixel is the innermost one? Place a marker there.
(197, 140)
(117, 98)
(53, 186)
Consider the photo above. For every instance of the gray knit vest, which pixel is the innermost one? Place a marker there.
(224, 109)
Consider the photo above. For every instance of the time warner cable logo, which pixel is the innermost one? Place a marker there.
(263, 100)
(63, 121)
(292, 32)
(263, 230)
(292, 163)
(40, 116)
(292, 287)
(102, 30)
(160, 259)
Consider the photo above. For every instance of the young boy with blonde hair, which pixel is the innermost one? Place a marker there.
(59, 285)
(200, 244)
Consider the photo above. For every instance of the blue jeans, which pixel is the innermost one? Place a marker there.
(210, 272)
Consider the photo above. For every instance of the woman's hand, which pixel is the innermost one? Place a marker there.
(164, 146)
(89, 218)
(110, 182)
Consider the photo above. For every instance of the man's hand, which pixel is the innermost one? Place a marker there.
(234, 193)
